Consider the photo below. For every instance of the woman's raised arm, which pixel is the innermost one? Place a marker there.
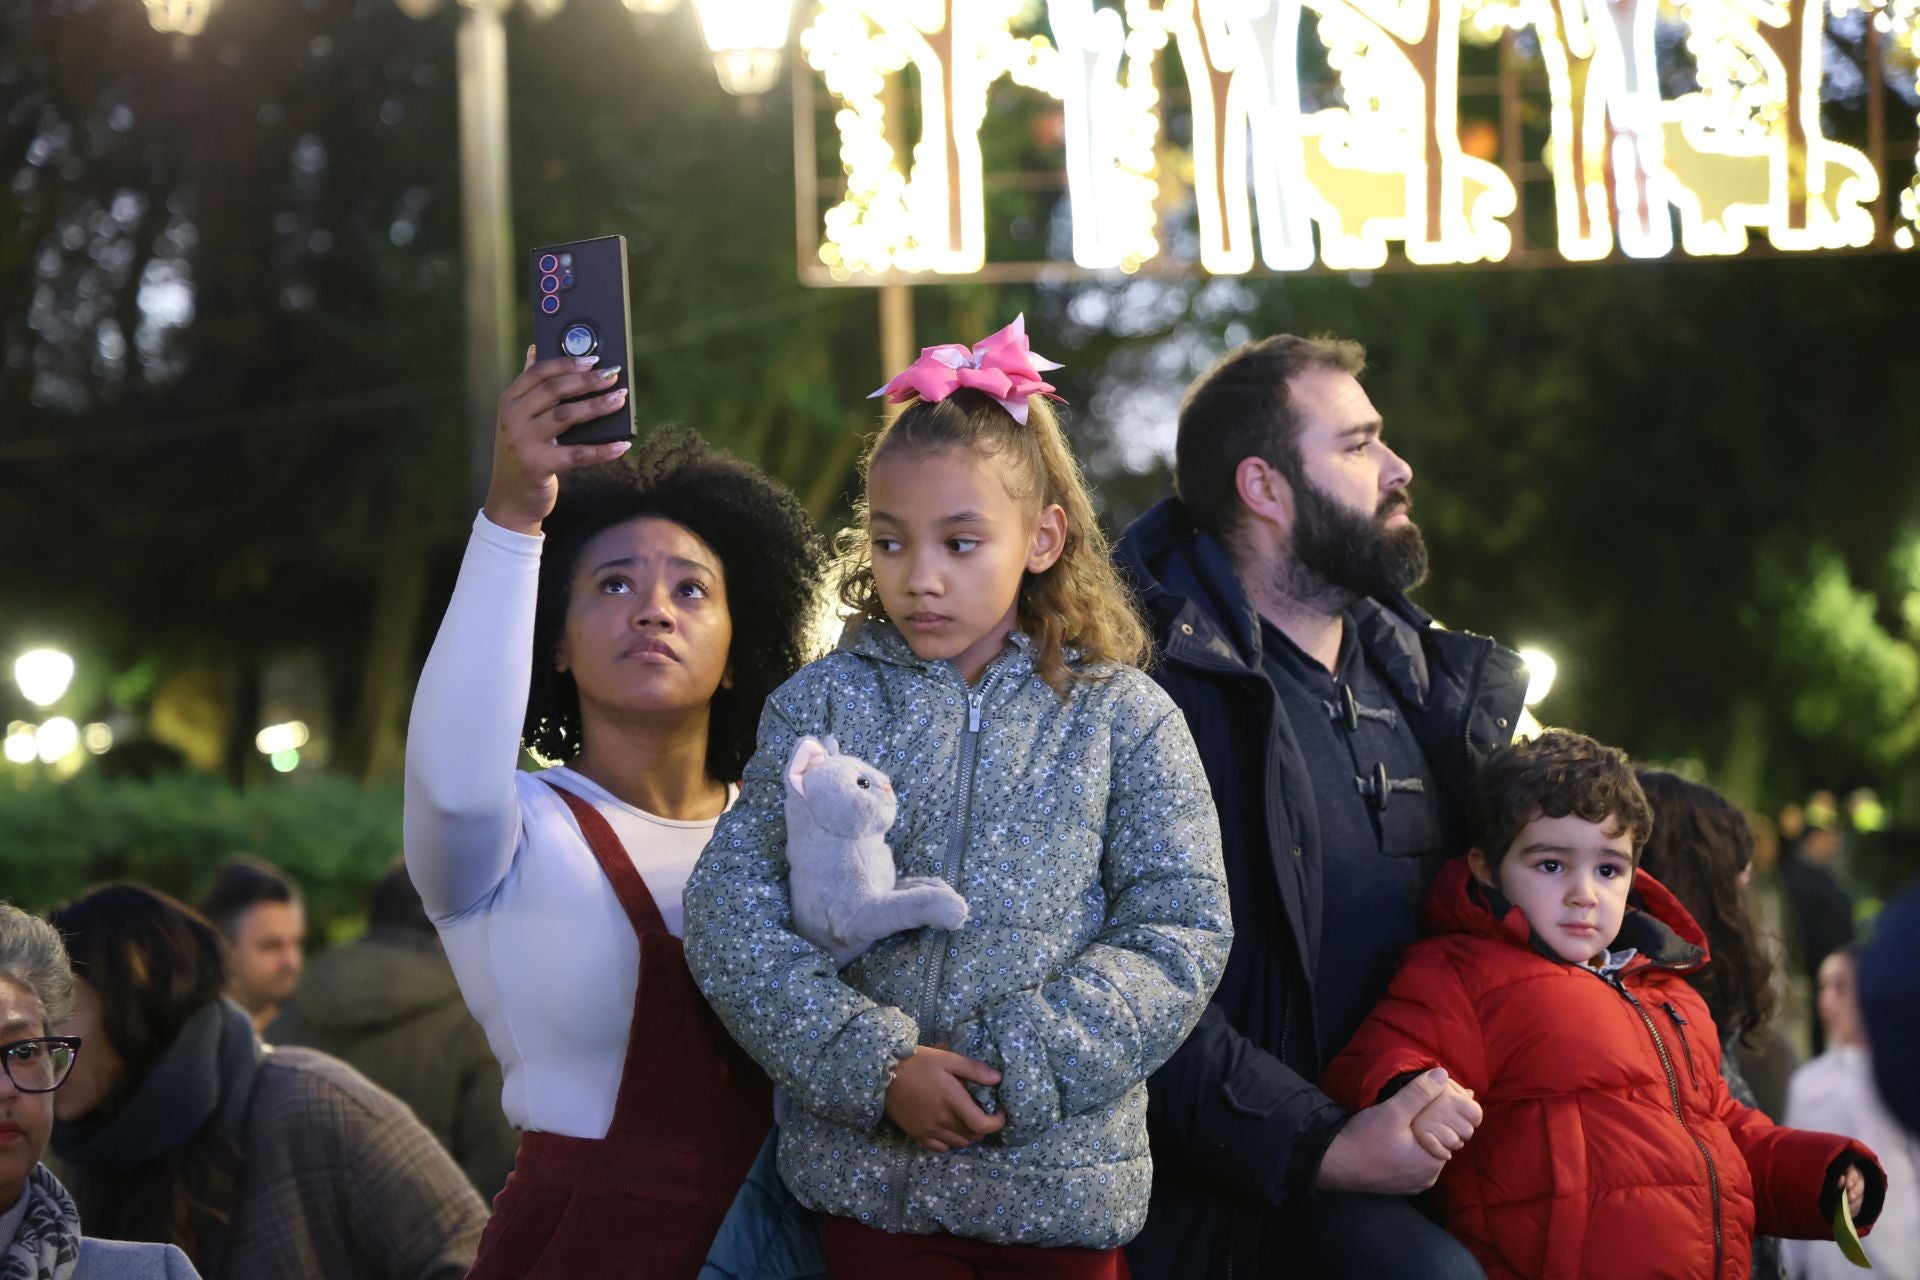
(463, 741)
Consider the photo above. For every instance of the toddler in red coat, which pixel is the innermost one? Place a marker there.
(1553, 991)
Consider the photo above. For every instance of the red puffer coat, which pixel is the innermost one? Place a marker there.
(1610, 1146)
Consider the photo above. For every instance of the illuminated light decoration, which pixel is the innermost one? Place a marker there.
(21, 748)
(1399, 64)
(933, 219)
(1111, 125)
(43, 675)
(57, 739)
(1605, 140)
(1241, 58)
(1384, 168)
(285, 761)
(178, 17)
(1746, 150)
(1899, 21)
(98, 738)
(276, 738)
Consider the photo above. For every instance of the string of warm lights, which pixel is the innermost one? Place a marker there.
(1743, 152)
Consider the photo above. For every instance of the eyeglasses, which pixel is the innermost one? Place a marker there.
(39, 1065)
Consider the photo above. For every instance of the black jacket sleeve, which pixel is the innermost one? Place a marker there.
(1228, 1110)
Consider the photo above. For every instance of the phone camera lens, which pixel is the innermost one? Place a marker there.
(551, 284)
(566, 281)
(548, 263)
(550, 303)
(579, 340)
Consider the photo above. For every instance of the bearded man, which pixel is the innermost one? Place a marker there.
(1340, 729)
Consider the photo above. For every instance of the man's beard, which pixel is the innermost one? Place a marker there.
(1340, 555)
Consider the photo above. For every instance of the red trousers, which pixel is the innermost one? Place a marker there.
(855, 1252)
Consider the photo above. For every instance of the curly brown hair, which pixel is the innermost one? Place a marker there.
(1555, 774)
(772, 556)
(1080, 604)
(1700, 846)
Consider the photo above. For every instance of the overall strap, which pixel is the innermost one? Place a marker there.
(628, 887)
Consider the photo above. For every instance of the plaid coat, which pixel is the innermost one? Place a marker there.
(341, 1182)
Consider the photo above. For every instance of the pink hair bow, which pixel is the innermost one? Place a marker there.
(1002, 366)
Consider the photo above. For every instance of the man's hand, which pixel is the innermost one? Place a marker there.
(1444, 1125)
(927, 1100)
(1377, 1152)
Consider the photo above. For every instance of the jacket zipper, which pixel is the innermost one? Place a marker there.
(1680, 1029)
(1673, 1093)
(956, 853)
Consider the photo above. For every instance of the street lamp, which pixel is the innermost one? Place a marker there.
(747, 38)
(43, 675)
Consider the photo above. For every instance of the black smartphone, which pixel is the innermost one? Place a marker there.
(580, 309)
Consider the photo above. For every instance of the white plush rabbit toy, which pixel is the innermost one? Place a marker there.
(841, 876)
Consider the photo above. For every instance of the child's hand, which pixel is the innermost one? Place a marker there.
(1376, 1152)
(1854, 1183)
(927, 1100)
(1443, 1126)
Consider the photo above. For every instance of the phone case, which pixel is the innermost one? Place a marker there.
(580, 309)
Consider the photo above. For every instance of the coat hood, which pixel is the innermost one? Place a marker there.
(1656, 925)
(374, 983)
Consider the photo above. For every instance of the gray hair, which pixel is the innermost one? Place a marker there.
(32, 955)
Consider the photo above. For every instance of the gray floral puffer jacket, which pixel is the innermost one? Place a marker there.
(1084, 838)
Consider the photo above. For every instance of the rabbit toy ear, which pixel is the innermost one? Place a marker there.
(807, 752)
(833, 745)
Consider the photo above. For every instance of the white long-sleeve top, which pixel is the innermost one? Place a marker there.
(544, 954)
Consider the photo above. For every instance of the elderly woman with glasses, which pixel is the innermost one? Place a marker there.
(40, 1235)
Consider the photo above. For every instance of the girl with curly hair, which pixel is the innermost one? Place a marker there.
(973, 1101)
(624, 626)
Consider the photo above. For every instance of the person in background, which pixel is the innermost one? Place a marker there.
(1701, 849)
(176, 1126)
(40, 1235)
(388, 1006)
(259, 911)
(1769, 1055)
(1836, 1092)
(1889, 990)
(1822, 907)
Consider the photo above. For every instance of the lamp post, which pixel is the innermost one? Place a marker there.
(747, 39)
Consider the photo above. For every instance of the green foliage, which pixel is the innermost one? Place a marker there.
(1855, 682)
(335, 838)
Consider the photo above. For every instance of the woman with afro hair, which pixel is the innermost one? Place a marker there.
(625, 627)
